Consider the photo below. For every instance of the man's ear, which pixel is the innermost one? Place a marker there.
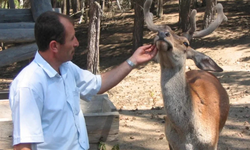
(53, 45)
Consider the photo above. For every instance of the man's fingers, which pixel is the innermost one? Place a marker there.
(145, 47)
(149, 48)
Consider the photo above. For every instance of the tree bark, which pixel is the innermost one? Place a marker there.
(54, 3)
(74, 5)
(12, 4)
(26, 4)
(138, 24)
(78, 5)
(209, 13)
(65, 7)
(160, 8)
(184, 9)
(194, 3)
(93, 38)
(203, 2)
(103, 5)
(153, 9)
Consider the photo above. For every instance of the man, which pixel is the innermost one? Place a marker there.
(44, 97)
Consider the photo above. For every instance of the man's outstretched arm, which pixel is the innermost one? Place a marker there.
(111, 78)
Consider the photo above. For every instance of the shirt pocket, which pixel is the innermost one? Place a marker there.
(76, 101)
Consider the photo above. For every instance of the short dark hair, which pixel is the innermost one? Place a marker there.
(48, 27)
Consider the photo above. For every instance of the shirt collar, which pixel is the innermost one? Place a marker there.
(45, 65)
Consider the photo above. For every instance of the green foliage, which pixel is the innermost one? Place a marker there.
(4, 4)
(102, 146)
(116, 147)
(17, 4)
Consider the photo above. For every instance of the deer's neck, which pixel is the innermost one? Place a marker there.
(176, 95)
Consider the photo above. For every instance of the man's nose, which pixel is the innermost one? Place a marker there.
(76, 42)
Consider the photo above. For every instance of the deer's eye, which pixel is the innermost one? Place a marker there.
(186, 44)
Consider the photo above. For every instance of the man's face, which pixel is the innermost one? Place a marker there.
(67, 50)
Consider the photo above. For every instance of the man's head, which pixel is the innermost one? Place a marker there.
(55, 32)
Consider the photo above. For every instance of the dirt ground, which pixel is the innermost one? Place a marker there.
(138, 96)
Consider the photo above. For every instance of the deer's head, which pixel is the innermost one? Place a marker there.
(175, 49)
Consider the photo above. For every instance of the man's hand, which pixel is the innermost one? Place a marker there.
(144, 54)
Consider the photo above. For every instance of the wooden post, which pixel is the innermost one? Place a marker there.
(40, 6)
(94, 37)
(17, 35)
(18, 53)
(138, 25)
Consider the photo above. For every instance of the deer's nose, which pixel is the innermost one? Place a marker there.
(162, 35)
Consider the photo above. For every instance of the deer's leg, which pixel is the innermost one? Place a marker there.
(170, 148)
(173, 137)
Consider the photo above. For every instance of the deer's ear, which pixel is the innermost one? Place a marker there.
(203, 61)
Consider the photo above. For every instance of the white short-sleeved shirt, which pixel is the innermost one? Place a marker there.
(46, 108)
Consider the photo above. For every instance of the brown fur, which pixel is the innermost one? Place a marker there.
(209, 98)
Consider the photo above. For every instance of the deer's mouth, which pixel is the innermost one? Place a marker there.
(161, 41)
(163, 45)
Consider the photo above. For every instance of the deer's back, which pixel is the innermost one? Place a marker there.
(210, 101)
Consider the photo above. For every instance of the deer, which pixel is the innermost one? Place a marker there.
(195, 102)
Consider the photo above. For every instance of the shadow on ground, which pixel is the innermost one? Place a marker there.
(233, 136)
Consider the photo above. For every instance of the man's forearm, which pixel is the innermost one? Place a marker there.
(114, 76)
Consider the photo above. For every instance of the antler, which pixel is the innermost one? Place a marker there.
(148, 16)
(192, 33)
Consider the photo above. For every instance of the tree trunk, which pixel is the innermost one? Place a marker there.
(160, 8)
(138, 24)
(78, 5)
(203, 2)
(132, 5)
(194, 3)
(74, 5)
(64, 7)
(110, 6)
(12, 4)
(209, 13)
(26, 4)
(5, 4)
(93, 37)
(40, 6)
(54, 3)
(153, 9)
(103, 5)
(67, 7)
(184, 9)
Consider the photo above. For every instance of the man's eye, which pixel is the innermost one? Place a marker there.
(186, 44)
